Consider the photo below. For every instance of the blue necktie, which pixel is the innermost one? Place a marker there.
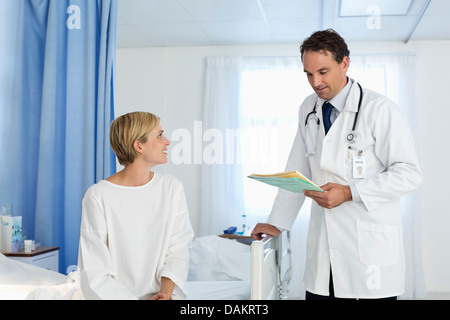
(326, 112)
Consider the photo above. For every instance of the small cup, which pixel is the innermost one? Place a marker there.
(28, 246)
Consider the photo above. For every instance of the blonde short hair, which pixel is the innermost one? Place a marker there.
(128, 128)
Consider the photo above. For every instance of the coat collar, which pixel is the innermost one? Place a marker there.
(351, 104)
(353, 98)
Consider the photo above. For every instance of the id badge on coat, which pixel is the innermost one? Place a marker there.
(359, 167)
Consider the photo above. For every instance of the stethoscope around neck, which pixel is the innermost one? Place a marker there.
(351, 136)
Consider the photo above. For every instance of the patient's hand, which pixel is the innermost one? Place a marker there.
(159, 296)
(165, 293)
(264, 228)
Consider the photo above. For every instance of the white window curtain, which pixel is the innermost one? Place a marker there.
(266, 127)
(272, 89)
(234, 136)
(222, 201)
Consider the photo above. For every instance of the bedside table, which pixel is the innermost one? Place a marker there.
(238, 237)
(44, 257)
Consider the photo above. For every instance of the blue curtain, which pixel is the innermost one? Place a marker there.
(57, 122)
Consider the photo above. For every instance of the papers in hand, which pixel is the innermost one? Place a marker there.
(293, 181)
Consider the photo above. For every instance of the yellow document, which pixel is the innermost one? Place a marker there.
(293, 181)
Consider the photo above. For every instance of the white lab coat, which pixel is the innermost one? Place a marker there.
(362, 241)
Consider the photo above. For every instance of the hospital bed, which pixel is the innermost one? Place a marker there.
(220, 269)
(271, 268)
(20, 281)
(226, 269)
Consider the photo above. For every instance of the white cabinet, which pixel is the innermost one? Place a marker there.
(44, 257)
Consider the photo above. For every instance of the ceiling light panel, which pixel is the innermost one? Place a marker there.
(352, 8)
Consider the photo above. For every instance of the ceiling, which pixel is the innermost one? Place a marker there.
(150, 23)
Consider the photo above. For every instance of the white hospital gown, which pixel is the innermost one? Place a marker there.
(131, 237)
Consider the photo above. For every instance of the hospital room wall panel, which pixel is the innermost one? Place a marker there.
(169, 82)
(433, 68)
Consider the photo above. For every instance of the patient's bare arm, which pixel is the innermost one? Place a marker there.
(165, 293)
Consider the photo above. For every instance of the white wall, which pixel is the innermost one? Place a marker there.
(434, 148)
(169, 82)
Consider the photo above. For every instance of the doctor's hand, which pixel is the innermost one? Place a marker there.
(334, 195)
(264, 228)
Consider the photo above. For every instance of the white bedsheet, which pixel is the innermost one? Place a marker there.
(13, 272)
(15, 291)
(217, 290)
(219, 259)
(219, 270)
(65, 291)
(20, 281)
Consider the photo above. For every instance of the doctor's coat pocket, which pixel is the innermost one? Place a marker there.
(378, 244)
(366, 151)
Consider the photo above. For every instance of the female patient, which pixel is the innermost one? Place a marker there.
(135, 228)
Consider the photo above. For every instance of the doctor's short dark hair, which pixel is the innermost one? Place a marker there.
(328, 40)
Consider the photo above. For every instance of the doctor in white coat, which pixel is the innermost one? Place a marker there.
(364, 163)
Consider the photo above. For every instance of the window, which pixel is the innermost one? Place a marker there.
(270, 98)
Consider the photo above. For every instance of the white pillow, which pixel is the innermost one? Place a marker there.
(218, 259)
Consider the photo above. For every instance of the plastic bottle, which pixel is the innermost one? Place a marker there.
(244, 224)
